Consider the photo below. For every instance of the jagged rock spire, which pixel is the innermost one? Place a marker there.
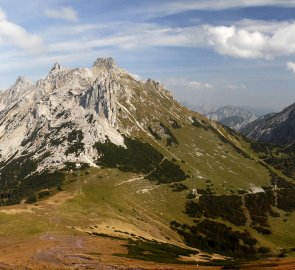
(56, 67)
(22, 83)
(108, 62)
(21, 80)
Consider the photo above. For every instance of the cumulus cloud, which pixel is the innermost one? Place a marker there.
(291, 66)
(12, 34)
(238, 42)
(261, 40)
(181, 83)
(63, 13)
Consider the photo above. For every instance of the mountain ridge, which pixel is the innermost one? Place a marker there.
(276, 128)
(46, 105)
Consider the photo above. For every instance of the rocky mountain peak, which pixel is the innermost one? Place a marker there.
(158, 87)
(21, 84)
(149, 81)
(13, 93)
(56, 67)
(107, 63)
(94, 104)
(80, 100)
(21, 80)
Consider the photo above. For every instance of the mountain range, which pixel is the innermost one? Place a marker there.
(122, 166)
(274, 128)
(233, 117)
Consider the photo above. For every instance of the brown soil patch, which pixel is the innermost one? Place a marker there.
(78, 251)
(54, 251)
(272, 263)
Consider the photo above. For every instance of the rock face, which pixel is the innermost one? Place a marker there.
(39, 117)
(233, 117)
(277, 128)
(60, 117)
(12, 94)
(256, 123)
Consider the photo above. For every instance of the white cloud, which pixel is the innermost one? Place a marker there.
(261, 26)
(130, 36)
(64, 13)
(15, 35)
(2, 15)
(291, 66)
(233, 86)
(184, 84)
(136, 76)
(253, 41)
(245, 39)
(237, 42)
(176, 6)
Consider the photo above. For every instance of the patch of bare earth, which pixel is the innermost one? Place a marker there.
(54, 251)
(54, 200)
(271, 263)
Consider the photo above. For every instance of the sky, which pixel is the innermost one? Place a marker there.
(207, 52)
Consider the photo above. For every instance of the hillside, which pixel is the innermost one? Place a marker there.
(256, 123)
(273, 128)
(95, 153)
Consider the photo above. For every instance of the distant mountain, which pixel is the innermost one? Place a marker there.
(258, 111)
(202, 109)
(233, 117)
(277, 128)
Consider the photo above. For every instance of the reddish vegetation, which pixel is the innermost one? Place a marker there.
(54, 251)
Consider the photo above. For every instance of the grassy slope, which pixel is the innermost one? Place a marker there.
(118, 203)
(205, 154)
(209, 151)
(102, 198)
(110, 201)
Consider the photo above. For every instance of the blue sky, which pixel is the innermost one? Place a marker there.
(213, 52)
